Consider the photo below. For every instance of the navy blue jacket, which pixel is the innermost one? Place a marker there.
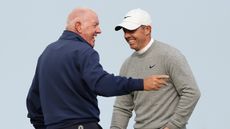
(67, 80)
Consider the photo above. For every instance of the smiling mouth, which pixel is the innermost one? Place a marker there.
(132, 41)
(94, 37)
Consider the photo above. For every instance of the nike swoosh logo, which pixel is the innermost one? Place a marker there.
(151, 66)
(126, 17)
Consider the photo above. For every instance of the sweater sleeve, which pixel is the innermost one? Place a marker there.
(33, 104)
(101, 82)
(186, 86)
(123, 107)
(122, 111)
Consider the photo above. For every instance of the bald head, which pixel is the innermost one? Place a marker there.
(78, 15)
(84, 22)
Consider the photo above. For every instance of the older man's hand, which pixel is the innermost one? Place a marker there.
(155, 82)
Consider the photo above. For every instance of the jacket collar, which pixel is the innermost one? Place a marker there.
(69, 35)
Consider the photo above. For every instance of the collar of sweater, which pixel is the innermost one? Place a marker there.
(143, 50)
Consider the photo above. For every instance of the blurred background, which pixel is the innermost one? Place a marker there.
(200, 29)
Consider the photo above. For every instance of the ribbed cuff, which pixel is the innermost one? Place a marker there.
(136, 84)
(171, 126)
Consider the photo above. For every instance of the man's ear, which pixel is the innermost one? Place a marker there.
(148, 30)
(78, 27)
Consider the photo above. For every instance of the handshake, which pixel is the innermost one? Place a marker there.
(155, 82)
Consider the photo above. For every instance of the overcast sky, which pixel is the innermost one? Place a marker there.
(200, 29)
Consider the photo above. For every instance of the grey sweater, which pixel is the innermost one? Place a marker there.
(170, 106)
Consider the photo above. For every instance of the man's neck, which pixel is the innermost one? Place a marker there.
(147, 46)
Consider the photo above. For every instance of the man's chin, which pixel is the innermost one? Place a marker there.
(132, 46)
(91, 44)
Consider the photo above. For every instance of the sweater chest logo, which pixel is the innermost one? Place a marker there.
(151, 66)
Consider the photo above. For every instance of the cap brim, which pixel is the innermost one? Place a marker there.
(127, 25)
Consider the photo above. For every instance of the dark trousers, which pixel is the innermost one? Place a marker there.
(85, 126)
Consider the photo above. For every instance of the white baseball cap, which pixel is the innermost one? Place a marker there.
(134, 19)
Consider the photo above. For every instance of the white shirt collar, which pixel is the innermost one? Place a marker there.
(146, 47)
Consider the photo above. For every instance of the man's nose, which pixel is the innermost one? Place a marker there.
(98, 30)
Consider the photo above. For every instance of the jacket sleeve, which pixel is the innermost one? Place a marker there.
(101, 82)
(185, 84)
(33, 104)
